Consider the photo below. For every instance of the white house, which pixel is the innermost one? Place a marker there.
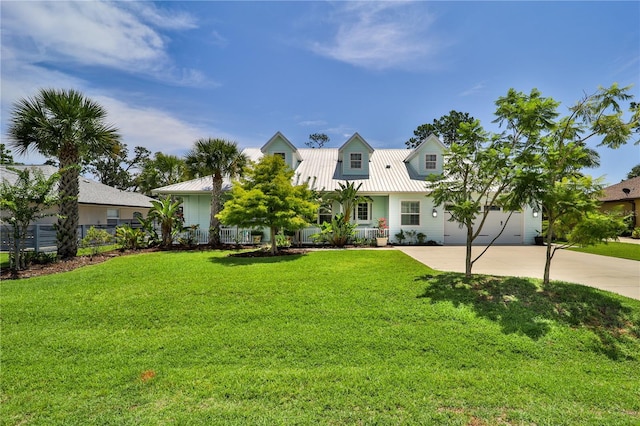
(393, 179)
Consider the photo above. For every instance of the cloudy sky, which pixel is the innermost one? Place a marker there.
(172, 72)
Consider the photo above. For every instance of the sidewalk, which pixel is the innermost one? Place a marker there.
(621, 276)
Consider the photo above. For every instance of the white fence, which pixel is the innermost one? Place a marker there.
(42, 237)
(244, 235)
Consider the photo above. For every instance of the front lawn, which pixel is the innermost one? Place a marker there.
(613, 249)
(331, 337)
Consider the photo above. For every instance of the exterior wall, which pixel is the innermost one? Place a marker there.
(432, 227)
(279, 145)
(97, 215)
(355, 146)
(197, 210)
(625, 207)
(532, 226)
(417, 163)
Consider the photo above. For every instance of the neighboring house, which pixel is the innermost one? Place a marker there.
(98, 204)
(393, 179)
(623, 197)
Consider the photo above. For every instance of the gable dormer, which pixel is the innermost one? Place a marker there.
(354, 155)
(280, 145)
(426, 158)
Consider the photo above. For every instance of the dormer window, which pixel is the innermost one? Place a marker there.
(430, 162)
(355, 160)
(281, 155)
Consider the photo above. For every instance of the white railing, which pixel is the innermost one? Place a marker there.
(304, 236)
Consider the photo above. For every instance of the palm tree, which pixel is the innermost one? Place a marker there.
(216, 158)
(67, 126)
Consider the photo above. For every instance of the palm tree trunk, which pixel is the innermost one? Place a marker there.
(214, 223)
(67, 229)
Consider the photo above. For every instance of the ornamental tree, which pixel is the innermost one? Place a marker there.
(27, 200)
(552, 176)
(266, 197)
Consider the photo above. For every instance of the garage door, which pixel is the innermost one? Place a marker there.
(512, 234)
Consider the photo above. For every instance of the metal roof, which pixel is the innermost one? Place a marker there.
(388, 173)
(91, 192)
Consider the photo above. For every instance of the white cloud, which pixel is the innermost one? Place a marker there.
(308, 123)
(382, 35)
(119, 35)
(473, 90)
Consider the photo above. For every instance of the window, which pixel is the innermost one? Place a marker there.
(281, 154)
(113, 215)
(363, 212)
(356, 160)
(410, 213)
(324, 214)
(430, 161)
(492, 208)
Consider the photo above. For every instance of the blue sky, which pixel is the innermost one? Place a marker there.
(172, 72)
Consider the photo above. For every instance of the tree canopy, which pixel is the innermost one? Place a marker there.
(266, 197)
(445, 127)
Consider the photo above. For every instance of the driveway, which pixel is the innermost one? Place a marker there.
(621, 276)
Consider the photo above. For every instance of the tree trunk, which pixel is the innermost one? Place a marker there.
(467, 261)
(67, 229)
(214, 223)
(547, 263)
(274, 245)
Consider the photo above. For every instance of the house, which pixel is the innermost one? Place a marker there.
(623, 197)
(392, 179)
(98, 204)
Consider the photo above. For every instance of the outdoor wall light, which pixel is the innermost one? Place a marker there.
(434, 213)
(535, 213)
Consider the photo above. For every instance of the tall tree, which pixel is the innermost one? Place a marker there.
(27, 200)
(266, 197)
(217, 158)
(317, 140)
(159, 171)
(635, 172)
(65, 125)
(446, 128)
(117, 169)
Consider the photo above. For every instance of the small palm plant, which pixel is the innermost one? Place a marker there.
(166, 212)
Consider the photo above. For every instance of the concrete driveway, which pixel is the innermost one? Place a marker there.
(608, 273)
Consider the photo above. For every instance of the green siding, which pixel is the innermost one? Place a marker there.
(355, 146)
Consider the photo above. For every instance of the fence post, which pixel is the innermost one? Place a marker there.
(36, 238)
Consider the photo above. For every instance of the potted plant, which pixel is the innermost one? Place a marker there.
(256, 234)
(382, 233)
(539, 239)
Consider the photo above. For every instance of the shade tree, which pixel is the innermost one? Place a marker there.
(445, 128)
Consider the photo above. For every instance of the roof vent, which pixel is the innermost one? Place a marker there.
(388, 166)
(626, 191)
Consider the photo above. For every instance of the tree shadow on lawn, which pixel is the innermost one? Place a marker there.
(520, 305)
(232, 260)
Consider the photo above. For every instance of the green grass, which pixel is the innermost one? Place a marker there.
(332, 337)
(613, 249)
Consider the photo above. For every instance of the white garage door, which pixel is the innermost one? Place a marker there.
(512, 234)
